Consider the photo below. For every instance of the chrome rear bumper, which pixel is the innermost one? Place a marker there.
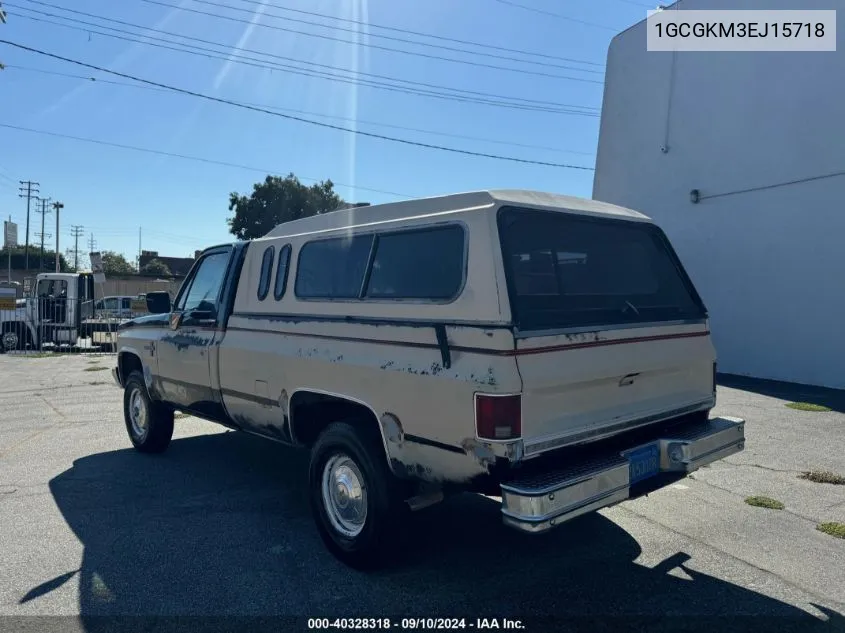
(538, 502)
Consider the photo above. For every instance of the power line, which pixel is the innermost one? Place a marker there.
(365, 44)
(556, 15)
(387, 37)
(310, 113)
(422, 34)
(186, 157)
(300, 119)
(640, 4)
(226, 55)
(516, 103)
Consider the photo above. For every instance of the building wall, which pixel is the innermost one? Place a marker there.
(769, 263)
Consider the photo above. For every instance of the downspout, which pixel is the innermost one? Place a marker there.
(672, 64)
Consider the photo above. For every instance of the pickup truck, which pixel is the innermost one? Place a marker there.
(544, 350)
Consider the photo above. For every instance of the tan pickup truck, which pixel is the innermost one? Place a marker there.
(547, 350)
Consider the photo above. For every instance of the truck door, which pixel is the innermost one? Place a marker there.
(184, 351)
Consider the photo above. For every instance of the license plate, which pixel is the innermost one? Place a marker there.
(643, 463)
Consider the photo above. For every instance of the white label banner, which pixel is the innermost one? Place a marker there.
(741, 30)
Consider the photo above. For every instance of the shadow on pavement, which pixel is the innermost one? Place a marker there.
(219, 526)
(793, 392)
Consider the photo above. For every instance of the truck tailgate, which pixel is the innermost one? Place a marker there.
(579, 388)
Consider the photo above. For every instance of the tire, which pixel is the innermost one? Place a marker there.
(346, 452)
(149, 423)
(13, 337)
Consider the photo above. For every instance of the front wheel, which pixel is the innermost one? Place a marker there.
(355, 499)
(13, 337)
(149, 423)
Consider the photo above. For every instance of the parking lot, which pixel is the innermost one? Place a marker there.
(219, 525)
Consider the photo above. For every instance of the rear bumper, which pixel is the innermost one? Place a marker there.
(540, 501)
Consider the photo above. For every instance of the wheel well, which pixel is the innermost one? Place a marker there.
(312, 412)
(128, 362)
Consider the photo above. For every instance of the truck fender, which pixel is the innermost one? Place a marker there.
(145, 366)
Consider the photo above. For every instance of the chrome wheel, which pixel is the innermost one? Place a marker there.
(344, 495)
(139, 417)
(10, 340)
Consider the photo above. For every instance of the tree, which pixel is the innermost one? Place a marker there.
(156, 267)
(116, 264)
(19, 260)
(278, 200)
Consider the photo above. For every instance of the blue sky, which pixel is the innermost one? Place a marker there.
(181, 205)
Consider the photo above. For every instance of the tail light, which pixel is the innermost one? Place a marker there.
(498, 417)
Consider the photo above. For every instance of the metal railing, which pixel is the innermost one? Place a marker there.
(47, 324)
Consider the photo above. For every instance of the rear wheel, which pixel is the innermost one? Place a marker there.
(355, 499)
(149, 423)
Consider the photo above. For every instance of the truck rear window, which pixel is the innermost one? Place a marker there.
(567, 271)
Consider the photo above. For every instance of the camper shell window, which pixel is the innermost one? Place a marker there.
(414, 264)
(568, 271)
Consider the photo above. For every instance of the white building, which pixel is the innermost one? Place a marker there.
(761, 137)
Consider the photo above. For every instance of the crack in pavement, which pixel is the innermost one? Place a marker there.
(739, 496)
(55, 410)
(769, 468)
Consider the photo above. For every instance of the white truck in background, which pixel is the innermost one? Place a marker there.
(59, 311)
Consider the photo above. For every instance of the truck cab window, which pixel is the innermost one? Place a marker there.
(204, 290)
(282, 273)
(266, 272)
(52, 288)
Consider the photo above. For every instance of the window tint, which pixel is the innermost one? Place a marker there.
(426, 264)
(204, 291)
(282, 273)
(266, 272)
(333, 267)
(566, 271)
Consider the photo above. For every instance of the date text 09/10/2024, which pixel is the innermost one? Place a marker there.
(410, 624)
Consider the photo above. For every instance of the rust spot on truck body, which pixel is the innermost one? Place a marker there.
(584, 337)
(392, 429)
(480, 452)
(183, 341)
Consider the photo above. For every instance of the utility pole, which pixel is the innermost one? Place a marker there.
(139, 249)
(44, 211)
(57, 207)
(9, 255)
(76, 231)
(92, 243)
(31, 189)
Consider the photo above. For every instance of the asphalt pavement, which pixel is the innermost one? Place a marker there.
(219, 526)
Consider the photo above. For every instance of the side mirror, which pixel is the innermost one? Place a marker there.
(158, 302)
